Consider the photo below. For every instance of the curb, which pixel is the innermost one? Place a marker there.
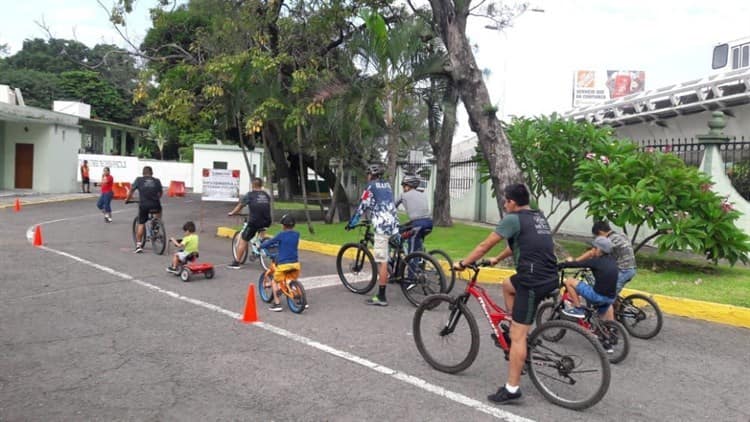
(696, 309)
(47, 201)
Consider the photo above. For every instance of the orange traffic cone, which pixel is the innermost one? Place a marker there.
(251, 312)
(17, 206)
(38, 236)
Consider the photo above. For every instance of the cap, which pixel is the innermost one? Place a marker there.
(603, 244)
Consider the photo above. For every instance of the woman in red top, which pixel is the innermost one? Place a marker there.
(105, 199)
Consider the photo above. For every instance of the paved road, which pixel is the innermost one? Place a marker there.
(91, 331)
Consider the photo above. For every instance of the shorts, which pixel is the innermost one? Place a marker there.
(593, 298)
(528, 298)
(380, 250)
(250, 231)
(144, 211)
(182, 255)
(623, 276)
(289, 271)
(85, 180)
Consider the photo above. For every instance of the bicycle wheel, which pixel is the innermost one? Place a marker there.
(446, 333)
(640, 315)
(548, 311)
(420, 277)
(265, 256)
(265, 288)
(135, 230)
(450, 275)
(615, 340)
(298, 300)
(573, 373)
(235, 243)
(356, 268)
(158, 236)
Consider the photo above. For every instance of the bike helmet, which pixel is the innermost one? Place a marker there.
(411, 180)
(375, 170)
(287, 220)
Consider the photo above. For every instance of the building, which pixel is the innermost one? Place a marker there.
(39, 148)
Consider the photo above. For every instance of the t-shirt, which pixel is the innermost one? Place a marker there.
(190, 243)
(85, 172)
(288, 243)
(416, 204)
(604, 269)
(107, 182)
(377, 200)
(530, 238)
(149, 191)
(259, 208)
(622, 250)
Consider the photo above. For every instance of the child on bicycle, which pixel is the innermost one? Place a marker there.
(287, 260)
(188, 244)
(603, 292)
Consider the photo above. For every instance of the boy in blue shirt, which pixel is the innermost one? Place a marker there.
(287, 260)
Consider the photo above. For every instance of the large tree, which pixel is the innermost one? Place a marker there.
(451, 17)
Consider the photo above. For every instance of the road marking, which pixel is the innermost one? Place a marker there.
(320, 281)
(401, 376)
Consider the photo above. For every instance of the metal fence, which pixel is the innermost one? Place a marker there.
(462, 178)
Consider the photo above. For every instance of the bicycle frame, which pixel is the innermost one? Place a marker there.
(283, 285)
(492, 311)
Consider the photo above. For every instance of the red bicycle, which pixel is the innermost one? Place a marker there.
(573, 372)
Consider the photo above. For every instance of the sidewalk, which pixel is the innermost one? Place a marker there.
(28, 197)
(707, 311)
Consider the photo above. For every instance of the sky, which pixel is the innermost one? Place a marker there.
(530, 65)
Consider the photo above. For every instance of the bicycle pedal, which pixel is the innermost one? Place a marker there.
(497, 343)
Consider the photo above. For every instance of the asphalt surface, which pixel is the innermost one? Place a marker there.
(91, 331)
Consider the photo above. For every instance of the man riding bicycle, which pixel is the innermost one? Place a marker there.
(417, 208)
(530, 242)
(149, 194)
(258, 204)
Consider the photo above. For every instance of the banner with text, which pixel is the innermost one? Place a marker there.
(221, 185)
(594, 87)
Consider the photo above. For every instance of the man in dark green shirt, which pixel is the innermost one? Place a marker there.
(530, 242)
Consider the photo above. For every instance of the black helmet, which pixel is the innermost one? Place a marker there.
(411, 180)
(375, 169)
(287, 220)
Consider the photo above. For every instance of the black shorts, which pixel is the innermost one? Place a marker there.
(250, 230)
(85, 180)
(144, 211)
(528, 298)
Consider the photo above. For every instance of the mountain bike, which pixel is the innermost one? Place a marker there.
(289, 287)
(439, 254)
(639, 314)
(573, 373)
(155, 231)
(253, 250)
(612, 334)
(418, 273)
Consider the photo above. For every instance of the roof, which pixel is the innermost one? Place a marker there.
(104, 123)
(26, 114)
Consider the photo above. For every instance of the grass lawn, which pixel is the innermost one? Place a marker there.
(658, 274)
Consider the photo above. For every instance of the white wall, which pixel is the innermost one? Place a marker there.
(55, 150)
(168, 171)
(126, 169)
(204, 156)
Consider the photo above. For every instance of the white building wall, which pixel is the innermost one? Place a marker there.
(204, 156)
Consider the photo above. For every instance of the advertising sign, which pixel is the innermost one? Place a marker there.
(221, 185)
(593, 87)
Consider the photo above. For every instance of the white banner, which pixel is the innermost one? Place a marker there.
(221, 185)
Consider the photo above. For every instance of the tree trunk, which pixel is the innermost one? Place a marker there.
(442, 145)
(267, 164)
(278, 155)
(392, 147)
(303, 179)
(451, 21)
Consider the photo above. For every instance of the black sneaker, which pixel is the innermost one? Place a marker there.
(234, 265)
(172, 270)
(138, 249)
(276, 307)
(503, 395)
(375, 301)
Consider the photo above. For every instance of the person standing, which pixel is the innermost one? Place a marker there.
(530, 243)
(377, 200)
(149, 195)
(85, 185)
(258, 204)
(105, 199)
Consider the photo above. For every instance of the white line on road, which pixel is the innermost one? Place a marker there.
(401, 376)
(317, 282)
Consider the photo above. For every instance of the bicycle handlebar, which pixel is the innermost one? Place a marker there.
(132, 201)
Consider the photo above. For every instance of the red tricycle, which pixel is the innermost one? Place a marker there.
(190, 266)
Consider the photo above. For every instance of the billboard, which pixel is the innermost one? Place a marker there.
(593, 87)
(221, 185)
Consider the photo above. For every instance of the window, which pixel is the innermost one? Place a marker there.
(735, 57)
(255, 171)
(746, 55)
(220, 165)
(720, 56)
